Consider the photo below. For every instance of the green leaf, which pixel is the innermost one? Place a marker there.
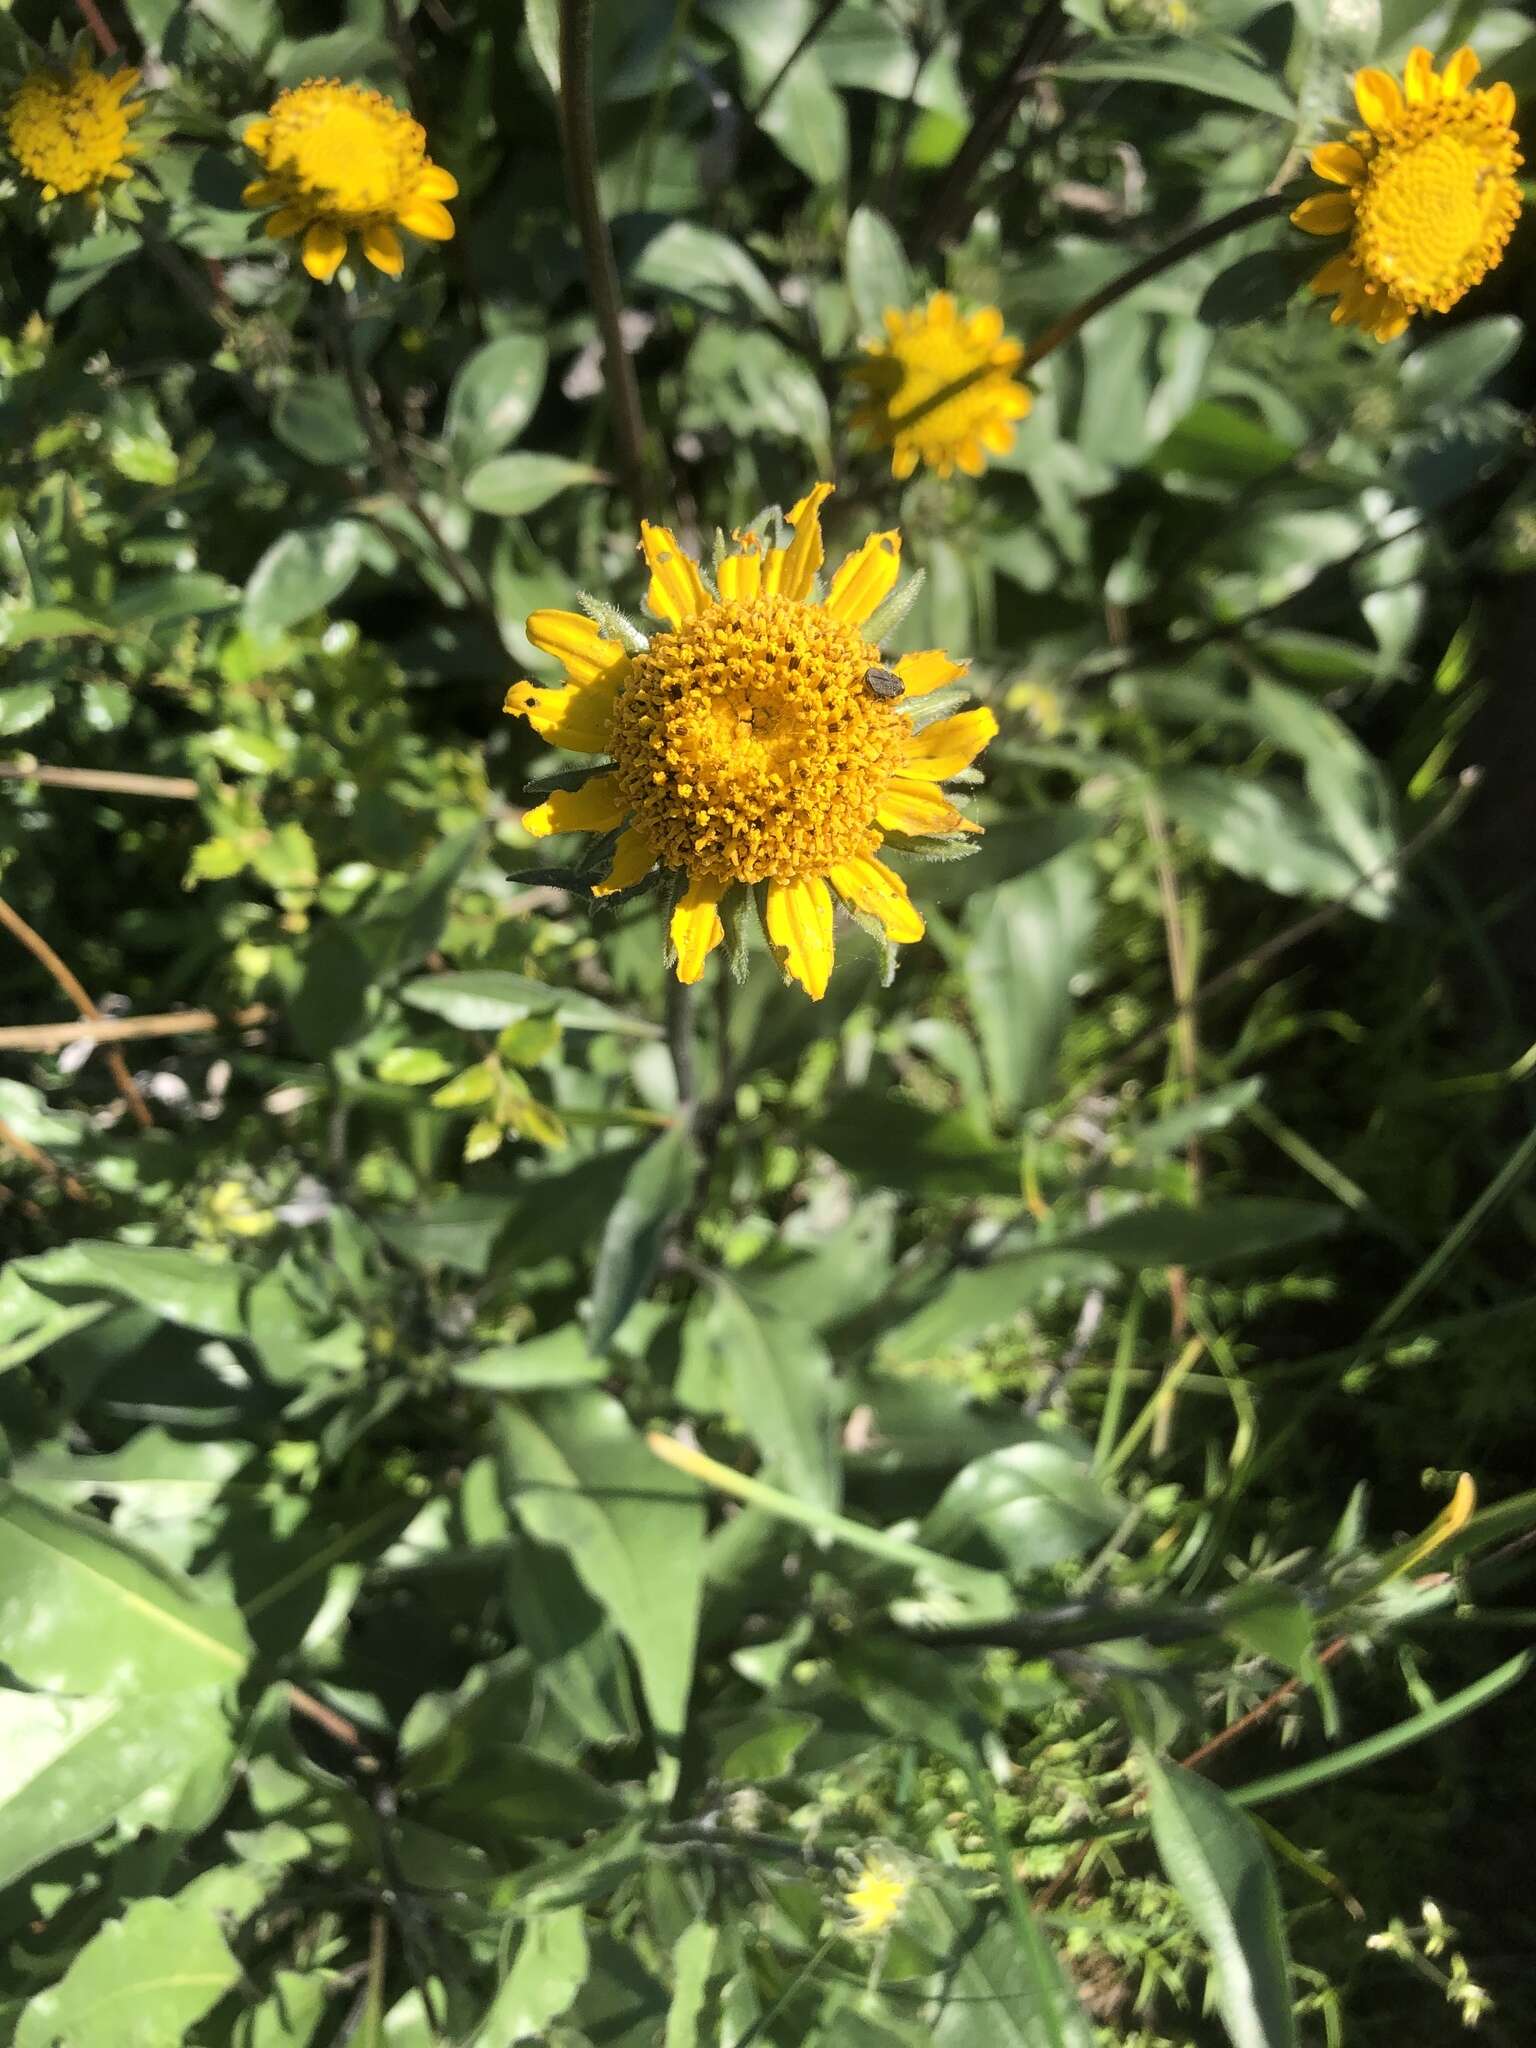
(709, 269)
(1028, 940)
(579, 1477)
(557, 1358)
(1449, 370)
(876, 267)
(656, 1191)
(1216, 1860)
(693, 1953)
(509, 485)
(70, 1766)
(139, 1982)
(1239, 1227)
(315, 417)
(1258, 286)
(976, 1299)
(805, 117)
(290, 2017)
(548, 1970)
(177, 1286)
(21, 709)
(459, 1232)
(1196, 67)
(894, 1143)
(493, 398)
(992, 1995)
(486, 999)
(1029, 1506)
(779, 1376)
(1272, 834)
(508, 1786)
(302, 573)
(82, 1610)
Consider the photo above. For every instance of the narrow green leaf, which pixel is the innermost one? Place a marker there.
(656, 1192)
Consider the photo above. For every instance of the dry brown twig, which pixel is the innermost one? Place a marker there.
(74, 988)
(114, 1030)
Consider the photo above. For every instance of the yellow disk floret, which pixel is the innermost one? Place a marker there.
(758, 743)
(342, 160)
(940, 388)
(1430, 195)
(70, 130)
(877, 1895)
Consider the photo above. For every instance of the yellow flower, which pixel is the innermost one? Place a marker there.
(876, 1897)
(69, 130)
(342, 160)
(1430, 194)
(929, 351)
(759, 744)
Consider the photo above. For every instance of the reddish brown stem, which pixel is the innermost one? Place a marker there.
(110, 1030)
(41, 951)
(106, 42)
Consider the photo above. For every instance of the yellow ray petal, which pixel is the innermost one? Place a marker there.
(985, 328)
(1500, 101)
(596, 807)
(903, 460)
(1338, 274)
(865, 578)
(124, 81)
(256, 135)
(971, 456)
(1378, 98)
(741, 574)
(1340, 162)
(1325, 213)
(381, 245)
(577, 715)
(1459, 73)
(427, 218)
(943, 749)
(324, 247)
(436, 183)
(929, 670)
(696, 929)
(942, 310)
(633, 859)
(677, 590)
(806, 552)
(1421, 82)
(918, 808)
(576, 644)
(262, 192)
(869, 885)
(800, 929)
(288, 220)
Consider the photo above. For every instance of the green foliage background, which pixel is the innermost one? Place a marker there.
(1089, 1320)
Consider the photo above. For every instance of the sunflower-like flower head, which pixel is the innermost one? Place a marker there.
(70, 129)
(940, 388)
(760, 745)
(341, 160)
(1429, 198)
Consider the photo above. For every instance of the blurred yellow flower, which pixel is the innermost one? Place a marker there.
(876, 1897)
(341, 160)
(939, 388)
(1430, 194)
(69, 129)
(759, 744)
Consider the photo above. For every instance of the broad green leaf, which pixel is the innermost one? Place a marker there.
(804, 116)
(83, 1611)
(548, 1970)
(890, 1142)
(140, 1982)
(692, 1955)
(69, 1766)
(486, 999)
(510, 485)
(1239, 1227)
(290, 2017)
(656, 1191)
(459, 1232)
(577, 1651)
(1029, 1506)
(22, 708)
(1195, 66)
(875, 265)
(177, 1286)
(778, 1374)
(1216, 1861)
(1258, 286)
(1451, 369)
(1028, 939)
(302, 573)
(557, 1358)
(991, 1994)
(1272, 834)
(976, 1299)
(709, 269)
(493, 397)
(510, 1787)
(315, 417)
(579, 1477)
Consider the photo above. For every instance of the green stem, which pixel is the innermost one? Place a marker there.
(579, 127)
(1131, 280)
(1514, 1170)
(814, 27)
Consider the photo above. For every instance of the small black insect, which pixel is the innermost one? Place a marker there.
(884, 683)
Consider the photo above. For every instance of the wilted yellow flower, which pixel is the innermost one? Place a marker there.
(342, 160)
(69, 129)
(760, 744)
(1430, 194)
(876, 1896)
(931, 351)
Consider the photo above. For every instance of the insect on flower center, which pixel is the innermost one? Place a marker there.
(749, 745)
(350, 153)
(1438, 204)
